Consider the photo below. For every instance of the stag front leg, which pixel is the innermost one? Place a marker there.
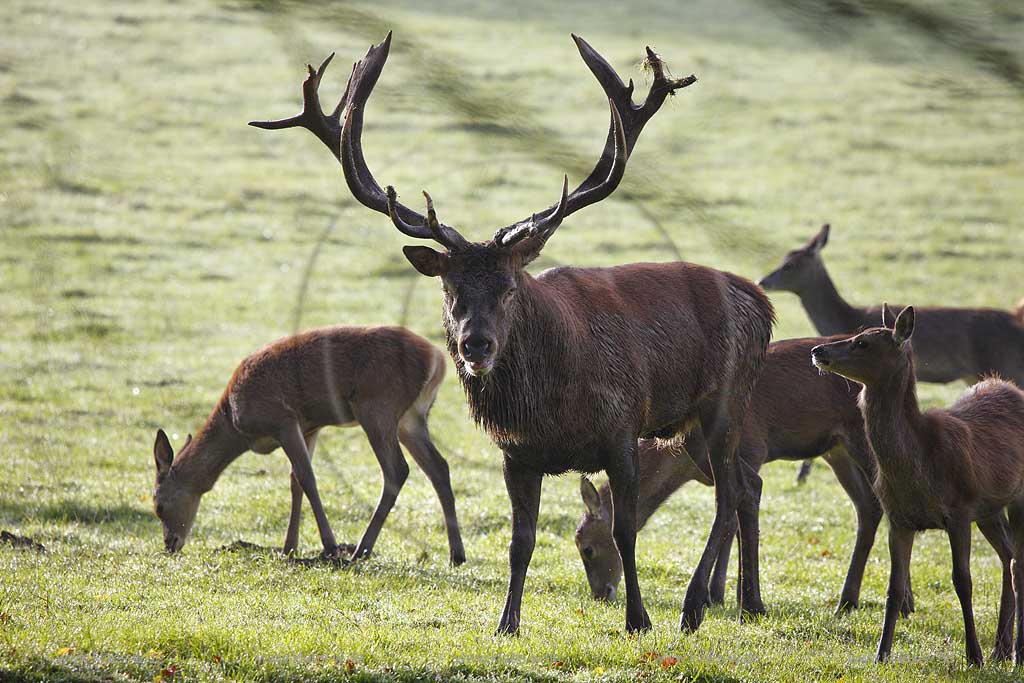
(524, 487)
(624, 480)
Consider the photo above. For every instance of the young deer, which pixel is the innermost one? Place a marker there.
(941, 469)
(950, 343)
(382, 378)
(795, 413)
(567, 369)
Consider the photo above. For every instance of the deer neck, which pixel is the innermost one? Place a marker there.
(215, 446)
(509, 401)
(892, 418)
(826, 308)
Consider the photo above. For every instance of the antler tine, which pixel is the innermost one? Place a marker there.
(627, 122)
(312, 117)
(344, 141)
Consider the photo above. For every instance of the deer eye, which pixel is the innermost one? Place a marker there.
(588, 553)
(860, 344)
(787, 266)
(159, 509)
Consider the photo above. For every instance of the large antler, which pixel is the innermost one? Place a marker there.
(627, 121)
(344, 141)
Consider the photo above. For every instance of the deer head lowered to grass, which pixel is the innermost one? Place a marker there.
(941, 469)
(384, 379)
(567, 369)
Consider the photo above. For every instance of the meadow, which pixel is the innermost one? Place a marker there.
(149, 240)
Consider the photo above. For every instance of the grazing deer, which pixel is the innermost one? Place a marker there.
(950, 343)
(565, 370)
(795, 413)
(383, 379)
(941, 469)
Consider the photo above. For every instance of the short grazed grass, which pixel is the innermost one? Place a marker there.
(149, 240)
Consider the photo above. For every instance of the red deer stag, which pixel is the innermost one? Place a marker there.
(941, 469)
(950, 343)
(567, 369)
(382, 378)
(795, 412)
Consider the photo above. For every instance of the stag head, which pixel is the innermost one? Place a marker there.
(480, 280)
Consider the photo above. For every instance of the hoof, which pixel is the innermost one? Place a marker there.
(457, 559)
(639, 626)
(846, 607)
(691, 619)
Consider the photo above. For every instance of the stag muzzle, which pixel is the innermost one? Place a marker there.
(477, 351)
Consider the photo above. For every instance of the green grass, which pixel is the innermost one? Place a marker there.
(149, 240)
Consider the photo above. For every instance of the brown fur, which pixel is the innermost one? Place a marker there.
(795, 412)
(941, 469)
(381, 378)
(566, 370)
(949, 343)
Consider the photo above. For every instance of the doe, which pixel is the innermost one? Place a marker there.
(384, 379)
(941, 469)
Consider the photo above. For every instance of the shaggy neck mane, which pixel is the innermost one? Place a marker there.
(507, 402)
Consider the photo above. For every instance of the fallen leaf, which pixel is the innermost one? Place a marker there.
(668, 661)
(598, 670)
(650, 656)
(61, 651)
(826, 553)
(350, 665)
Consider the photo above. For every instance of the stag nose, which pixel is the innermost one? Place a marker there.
(476, 348)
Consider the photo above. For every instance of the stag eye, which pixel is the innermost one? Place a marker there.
(860, 344)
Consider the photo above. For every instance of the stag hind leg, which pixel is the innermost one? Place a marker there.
(624, 480)
(415, 436)
(722, 446)
(997, 533)
(291, 537)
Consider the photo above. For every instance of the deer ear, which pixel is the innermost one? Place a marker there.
(188, 440)
(590, 497)
(426, 260)
(162, 453)
(821, 239)
(904, 327)
(888, 317)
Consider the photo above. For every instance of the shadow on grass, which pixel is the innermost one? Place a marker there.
(13, 512)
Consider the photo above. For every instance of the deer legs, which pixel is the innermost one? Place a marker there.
(996, 532)
(1017, 531)
(959, 531)
(291, 537)
(395, 471)
(901, 543)
(623, 478)
(415, 436)
(524, 487)
(294, 444)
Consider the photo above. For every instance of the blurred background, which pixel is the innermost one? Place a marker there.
(149, 239)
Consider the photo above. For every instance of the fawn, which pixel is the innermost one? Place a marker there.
(384, 379)
(941, 469)
(795, 412)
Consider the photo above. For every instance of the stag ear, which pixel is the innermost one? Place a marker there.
(888, 317)
(426, 260)
(904, 327)
(819, 241)
(163, 454)
(590, 497)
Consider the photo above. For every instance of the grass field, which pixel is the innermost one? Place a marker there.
(149, 240)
